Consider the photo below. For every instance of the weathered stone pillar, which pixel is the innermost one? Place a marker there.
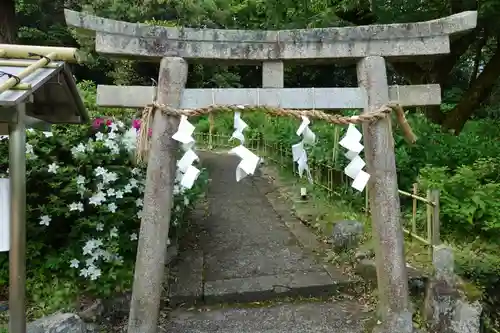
(273, 74)
(447, 308)
(158, 200)
(394, 307)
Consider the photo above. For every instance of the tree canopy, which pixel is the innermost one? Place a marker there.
(468, 75)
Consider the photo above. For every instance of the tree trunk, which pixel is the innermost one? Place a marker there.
(474, 96)
(8, 22)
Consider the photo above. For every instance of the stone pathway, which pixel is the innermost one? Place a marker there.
(248, 249)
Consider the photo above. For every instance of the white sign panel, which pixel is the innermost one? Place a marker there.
(4, 214)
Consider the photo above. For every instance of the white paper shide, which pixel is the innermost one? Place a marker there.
(354, 170)
(4, 214)
(187, 173)
(249, 161)
(299, 153)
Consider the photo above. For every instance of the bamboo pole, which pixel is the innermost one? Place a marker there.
(21, 63)
(423, 240)
(11, 82)
(429, 222)
(414, 212)
(21, 86)
(424, 200)
(436, 223)
(69, 54)
(211, 121)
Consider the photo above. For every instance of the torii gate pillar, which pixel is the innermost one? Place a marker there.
(158, 201)
(384, 202)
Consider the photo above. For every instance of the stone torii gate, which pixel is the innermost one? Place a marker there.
(368, 46)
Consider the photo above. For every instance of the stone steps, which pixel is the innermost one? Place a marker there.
(310, 317)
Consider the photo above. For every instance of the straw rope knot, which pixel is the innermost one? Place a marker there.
(368, 117)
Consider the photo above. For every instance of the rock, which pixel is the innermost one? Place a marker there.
(60, 323)
(364, 252)
(417, 281)
(93, 312)
(172, 252)
(118, 306)
(347, 234)
(467, 317)
(367, 269)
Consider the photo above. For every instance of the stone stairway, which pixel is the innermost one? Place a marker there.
(245, 254)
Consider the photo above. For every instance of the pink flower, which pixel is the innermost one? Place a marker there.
(150, 132)
(108, 122)
(136, 123)
(97, 123)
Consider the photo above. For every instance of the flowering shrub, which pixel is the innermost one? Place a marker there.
(84, 203)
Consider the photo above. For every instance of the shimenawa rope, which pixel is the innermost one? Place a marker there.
(369, 117)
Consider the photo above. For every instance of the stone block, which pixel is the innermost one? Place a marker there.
(60, 323)
(347, 234)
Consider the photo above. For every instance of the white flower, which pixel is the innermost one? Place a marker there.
(80, 149)
(119, 194)
(109, 177)
(74, 263)
(129, 139)
(94, 272)
(136, 171)
(76, 206)
(119, 123)
(97, 199)
(91, 245)
(99, 171)
(45, 220)
(139, 202)
(140, 214)
(133, 237)
(112, 207)
(186, 201)
(99, 136)
(53, 168)
(111, 192)
(29, 149)
(80, 180)
(113, 232)
(48, 134)
(133, 182)
(106, 255)
(99, 227)
(112, 135)
(114, 126)
(84, 272)
(111, 145)
(128, 188)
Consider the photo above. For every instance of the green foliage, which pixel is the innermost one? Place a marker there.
(84, 203)
(469, 199)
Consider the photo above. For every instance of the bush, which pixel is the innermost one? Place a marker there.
(470, 198)
(84, 202)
